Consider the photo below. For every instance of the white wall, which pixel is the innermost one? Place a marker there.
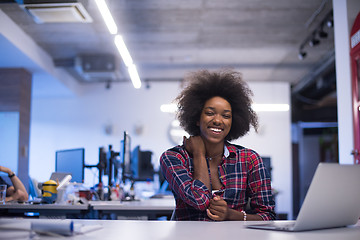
(73, 122)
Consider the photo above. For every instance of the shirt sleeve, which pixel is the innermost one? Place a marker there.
(175, 167)
(260, 188)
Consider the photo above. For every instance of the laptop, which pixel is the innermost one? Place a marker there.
(333, 200)
(59, 176)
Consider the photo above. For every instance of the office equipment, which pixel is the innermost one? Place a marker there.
(113, 166)
(267, 163)
(59, 176)
(126, 158)
(332, 200)
(62, 227)
(71, 161)
(102, 164)
(141, 165)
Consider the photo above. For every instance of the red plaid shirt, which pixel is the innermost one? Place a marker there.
(241, 172)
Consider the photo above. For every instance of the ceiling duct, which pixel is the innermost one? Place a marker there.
(97, 68)
(59, 12)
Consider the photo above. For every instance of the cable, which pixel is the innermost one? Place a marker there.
(315, 14)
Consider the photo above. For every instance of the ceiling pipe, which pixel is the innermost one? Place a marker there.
(311, 77)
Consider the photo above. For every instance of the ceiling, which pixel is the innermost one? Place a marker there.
(168, 39)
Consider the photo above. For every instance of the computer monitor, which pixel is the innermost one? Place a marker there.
(112, 165)
(267, 164)
(71, 161)
(126, 158)
(142, 167)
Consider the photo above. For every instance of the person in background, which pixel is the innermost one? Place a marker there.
(211, 178)
(17, 191)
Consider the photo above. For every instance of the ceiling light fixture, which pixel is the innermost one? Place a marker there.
(270, 107)
(321, 32)
(168, 108)
(314, 42)
(313, 38)
(105, 12)
(124, 52)
(302, 54)
(330, 23)
(134, 76)
(119, 42)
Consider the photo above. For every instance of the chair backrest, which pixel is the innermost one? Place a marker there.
(34, 191)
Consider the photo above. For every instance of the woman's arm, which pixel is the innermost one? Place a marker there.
(179, 171)
(17, 191)
(195, 146)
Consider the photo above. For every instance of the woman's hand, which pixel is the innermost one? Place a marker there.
(218, 209)
(194, 145)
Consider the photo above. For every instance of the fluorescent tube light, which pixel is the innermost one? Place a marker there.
(168, 108)
(134, 76)
(105, 12)
(125, 55)
(175, 123)
(178, 132)
(270, 107)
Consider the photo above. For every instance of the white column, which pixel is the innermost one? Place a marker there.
(342, 27)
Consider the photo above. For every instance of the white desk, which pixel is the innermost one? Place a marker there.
(45, 210)
(151, 230)
(147, 208)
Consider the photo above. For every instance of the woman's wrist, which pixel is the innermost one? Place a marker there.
(9, 171)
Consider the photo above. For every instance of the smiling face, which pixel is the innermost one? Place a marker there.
(215, 120)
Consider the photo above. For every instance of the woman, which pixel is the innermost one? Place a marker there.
(211, 178)
(17, 192)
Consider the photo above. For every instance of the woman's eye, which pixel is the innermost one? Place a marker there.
(227, 116)
(209, 113)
